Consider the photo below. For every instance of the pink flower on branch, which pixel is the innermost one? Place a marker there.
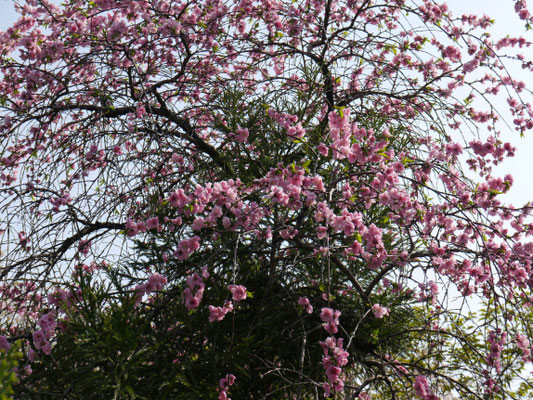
(304, 301)
(218, 313)
(193, 293)
(238, 292)
(224, 385)
(380, 311)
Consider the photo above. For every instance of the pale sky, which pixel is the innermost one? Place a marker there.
(507, 23)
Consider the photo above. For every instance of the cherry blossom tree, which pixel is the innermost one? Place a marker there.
(262, 199)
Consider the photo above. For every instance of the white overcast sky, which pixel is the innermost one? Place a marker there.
(507, 23)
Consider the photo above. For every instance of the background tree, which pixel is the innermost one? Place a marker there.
(261, 199)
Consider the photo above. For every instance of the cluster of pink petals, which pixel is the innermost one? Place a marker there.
(178, 199)
(331, 320)
(304, 301)
(224, 385)
(84, 246)
(155, 283)
(428, 292)
(193, 293)
(422, 390)
(4, 344)
(64, 298)
(133, 228)
(524, 345)
(242, 135)
(380, 311)
(227, 204)
(289, 122)
(186, 247)
(335, 357)
(57, 202)
(521, 9)
(41, 337)
(153, 223)
(218, 313)
(496, 341)
(238, 292)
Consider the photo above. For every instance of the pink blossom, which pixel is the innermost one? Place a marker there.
(524, 13)
(452, 52)
(153, 223)
(178, 199)
(193, 293)
(186, 247)
(338, 385)
(379, 311)
(421, 386)
(333, 372)
(327, 389)
(304, 301)
(330, 316)
(224, 385)
(242, 135)
(218, 313)
(141, 226)
(131, 227)
(48, 323)
(226, 382)
(191, 301)
(118, 28)
(4, 344)
(321, 232)
(523, 344)
(47, 348)
(84, 247)
(156, 282)
(238, 292)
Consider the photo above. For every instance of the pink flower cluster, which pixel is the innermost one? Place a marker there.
(133, 228)
(242, 135)
(218, 313)
(525, 346)
(289, 122)
(4, 344)
(153, 223)
(41, 337)
(496, 340)
(380, 311)
(428, 292)
(186, 247)
(521, 9)
(155, 283)
(178, 199)
(304, 301)
(57, 202)
(331, 320)
(238, 292)
(84, 246)
(95, 158)
(193, 293)
(335, 357)
(64, 298)
(224, 385)
(421, 387)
